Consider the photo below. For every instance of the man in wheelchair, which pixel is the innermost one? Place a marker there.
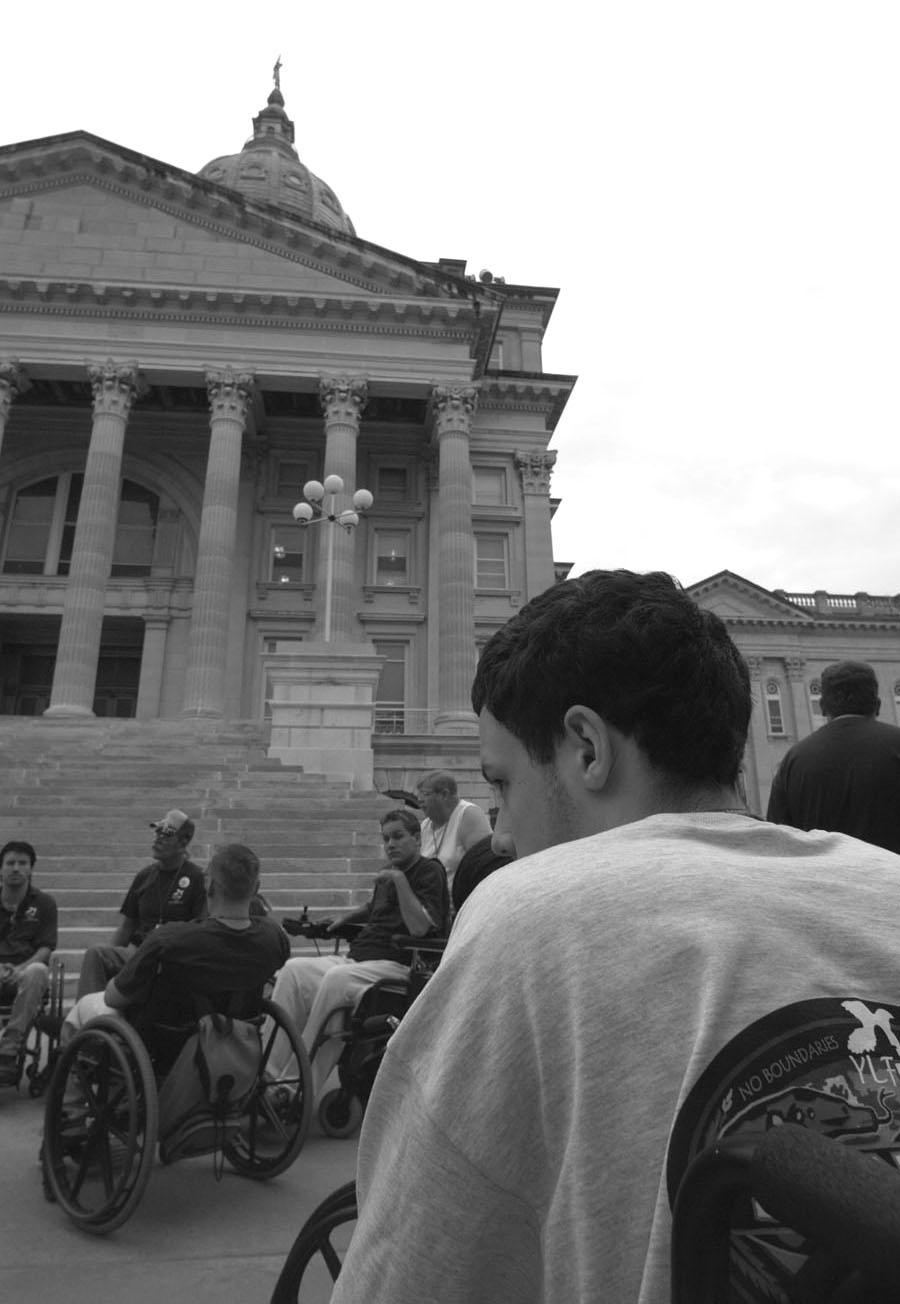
(224, 959)
(27, 940)
(410, 896)
(669, 971)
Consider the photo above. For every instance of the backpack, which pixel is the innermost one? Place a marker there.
(202, 1098)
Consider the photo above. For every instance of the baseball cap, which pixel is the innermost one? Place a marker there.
(174, 821)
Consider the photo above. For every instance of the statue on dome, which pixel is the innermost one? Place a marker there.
(276, 73)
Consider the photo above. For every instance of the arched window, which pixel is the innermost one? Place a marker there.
(815, 703)
(42, 523)
(774, 712)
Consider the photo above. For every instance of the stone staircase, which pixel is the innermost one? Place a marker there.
(83, 793)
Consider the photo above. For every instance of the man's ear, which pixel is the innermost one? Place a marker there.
(589, 737)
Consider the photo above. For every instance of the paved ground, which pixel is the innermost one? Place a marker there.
(191, 1239)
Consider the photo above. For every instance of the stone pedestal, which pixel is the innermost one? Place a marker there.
(323, 707)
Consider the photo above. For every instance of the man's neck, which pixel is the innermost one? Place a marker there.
(12, 897)
(172, 863)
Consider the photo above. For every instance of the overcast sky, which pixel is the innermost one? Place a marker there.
(712, 186)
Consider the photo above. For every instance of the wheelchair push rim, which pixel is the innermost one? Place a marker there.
(100, 1125)
(324, 1236)
(275, 1120)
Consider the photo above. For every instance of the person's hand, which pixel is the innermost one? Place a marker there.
(7, 972)
(389, 875)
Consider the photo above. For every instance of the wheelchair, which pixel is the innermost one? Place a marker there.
(366, 1027)
(40, 1045)
(102, 1118)
(840, 1206)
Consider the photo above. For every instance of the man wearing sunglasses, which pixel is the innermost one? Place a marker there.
(170, 889)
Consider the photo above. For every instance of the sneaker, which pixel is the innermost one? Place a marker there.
(10, 1070)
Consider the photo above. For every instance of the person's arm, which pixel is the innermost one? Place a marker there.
(114, 997)
(473, 826)
(125, 932)
(358, 916)
(416, 916)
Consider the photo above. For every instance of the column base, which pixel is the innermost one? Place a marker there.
(463, 723)
(202, 713)
(63, 711)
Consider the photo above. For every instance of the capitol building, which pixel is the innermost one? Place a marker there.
(256, 469)
(181, 355)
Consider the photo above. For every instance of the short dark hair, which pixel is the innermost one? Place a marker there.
(637, 650)
(849, 688)
(236, 868)
(21, 848)
(403, 815)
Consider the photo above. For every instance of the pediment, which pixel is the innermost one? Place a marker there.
(736, 599)
(82, 208)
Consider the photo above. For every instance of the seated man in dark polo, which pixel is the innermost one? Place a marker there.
(169, 890)
(226, 957)
(27, 939)
(410, 896)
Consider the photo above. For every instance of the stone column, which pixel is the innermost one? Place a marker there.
(343, 400)
(115, 388)
(13, 382)
(230, 393)
(757, 763)
(796, 672)
(156, 628)
(534, 469)
(453, 409)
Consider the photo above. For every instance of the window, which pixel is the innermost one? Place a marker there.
(392, 484)
(41, 532)
(286, 555)
(815, 703)
(291, 477)
(391, 558)
(489, 485)
(136, 530)
(774, 713)
(390, 695)
(491, 569)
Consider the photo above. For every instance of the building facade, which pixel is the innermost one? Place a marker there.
(787, 640)
(179, 355)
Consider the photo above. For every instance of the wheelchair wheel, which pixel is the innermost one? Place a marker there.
(276, 1118)
(340, 1113)
(100, 1125)
(314, 1260)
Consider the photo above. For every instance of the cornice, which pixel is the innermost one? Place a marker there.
(546, 395)
(787, 622)
(195, 305)
(758, 595)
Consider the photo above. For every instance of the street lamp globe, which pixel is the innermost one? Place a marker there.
(314, 491)
(362, 500)
(333, 484)
(303, 512)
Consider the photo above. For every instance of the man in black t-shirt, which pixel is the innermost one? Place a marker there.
(226, 958)
(27, 940)
(171, 889)
(410, 896)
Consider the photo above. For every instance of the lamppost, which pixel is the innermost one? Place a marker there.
(314, 512)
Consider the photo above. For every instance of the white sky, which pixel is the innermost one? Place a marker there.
(713, 186)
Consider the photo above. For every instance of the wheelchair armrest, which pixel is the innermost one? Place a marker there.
(429, 944)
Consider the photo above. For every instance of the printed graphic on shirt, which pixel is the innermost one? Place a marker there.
(831, 1065)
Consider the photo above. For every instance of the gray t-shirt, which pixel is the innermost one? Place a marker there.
(515, 1145)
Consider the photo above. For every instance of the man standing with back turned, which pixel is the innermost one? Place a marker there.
(669, 970)
(845, 776)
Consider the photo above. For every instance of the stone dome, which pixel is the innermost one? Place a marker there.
(268, 171)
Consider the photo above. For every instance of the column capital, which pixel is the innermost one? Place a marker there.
(796, 667)
(116, 385)
(230, 392)
(535, 468)
(453, 407)
(343, 398)
(13, 382)
(755, 666)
